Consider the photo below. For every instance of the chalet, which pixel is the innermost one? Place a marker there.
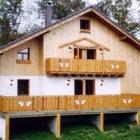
(82, 64)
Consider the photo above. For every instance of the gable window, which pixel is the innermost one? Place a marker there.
(85, 25)
(24, 54)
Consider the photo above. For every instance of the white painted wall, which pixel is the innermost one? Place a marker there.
(39, 85)
(108, 86)
(2, 128)
(57, 86)
(43, 85)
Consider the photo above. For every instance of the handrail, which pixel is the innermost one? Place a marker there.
(85, 66)
(47, 103)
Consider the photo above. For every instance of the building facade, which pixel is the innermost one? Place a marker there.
(83, 62)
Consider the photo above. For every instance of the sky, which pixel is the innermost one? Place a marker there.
(32, 17)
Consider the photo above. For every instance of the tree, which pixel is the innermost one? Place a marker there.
(121, 12)
(62, 8)
(10, 13)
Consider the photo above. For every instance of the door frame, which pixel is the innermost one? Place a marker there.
(28, 87)
(84, 86)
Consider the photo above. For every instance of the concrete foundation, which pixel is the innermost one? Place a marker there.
(4, 127)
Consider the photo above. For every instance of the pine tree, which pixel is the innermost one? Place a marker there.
(62, 8)
(121, 12)
(10, 11)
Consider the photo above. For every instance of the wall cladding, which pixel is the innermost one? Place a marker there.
(43, 85)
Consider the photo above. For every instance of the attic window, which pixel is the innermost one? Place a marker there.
(24, 54)
(85, 25)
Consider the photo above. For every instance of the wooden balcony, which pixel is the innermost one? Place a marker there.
(69, 103)
(85, 67)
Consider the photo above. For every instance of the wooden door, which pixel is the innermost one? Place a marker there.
(90, 87)
(23, 87)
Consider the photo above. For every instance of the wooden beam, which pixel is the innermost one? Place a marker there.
(71, 43)
(123, 38)
(100, 46)
(138, 118)
(86, 46)
(7, 127)
(96, 45)
(101, 127)
(84, 87)
(58, 125)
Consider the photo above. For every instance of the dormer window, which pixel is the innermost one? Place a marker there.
(24, 54)
(85, 25)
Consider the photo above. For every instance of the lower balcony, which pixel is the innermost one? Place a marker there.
(69, 103)
(85, 67)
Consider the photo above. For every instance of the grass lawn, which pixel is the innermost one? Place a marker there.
(124, 131)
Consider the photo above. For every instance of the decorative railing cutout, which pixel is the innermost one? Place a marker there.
(80, 102)
(127, 101)
(23, 104)
(64, 65)
(115, 66)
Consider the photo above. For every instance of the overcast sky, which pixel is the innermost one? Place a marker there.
(32, 17)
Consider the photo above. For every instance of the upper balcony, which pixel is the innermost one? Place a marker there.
(88, 67)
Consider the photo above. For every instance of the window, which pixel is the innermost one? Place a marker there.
(24, 54)
(77, 53)
(85, 25)
(91, 54)
(23, 87)
(90, 87)
(78, 85)
(84, 87)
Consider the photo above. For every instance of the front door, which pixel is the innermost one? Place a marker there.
(23, 87)
(84, 87)
(78, 87)
(90, 87)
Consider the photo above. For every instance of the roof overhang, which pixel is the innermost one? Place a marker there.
(90, 43)
(129, 38)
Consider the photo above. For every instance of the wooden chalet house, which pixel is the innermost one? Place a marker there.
(82, 64)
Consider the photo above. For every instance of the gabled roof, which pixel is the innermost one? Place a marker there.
(89, 44)
(92, 10)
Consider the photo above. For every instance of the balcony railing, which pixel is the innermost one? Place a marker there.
(69, 103)
(84, 66)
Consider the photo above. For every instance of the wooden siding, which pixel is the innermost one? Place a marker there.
(9, 65)
(49, 48)
(119, 50)
(68, 103)
(83, 66)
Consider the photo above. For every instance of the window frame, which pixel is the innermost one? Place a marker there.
(25, 56)
(87, 27)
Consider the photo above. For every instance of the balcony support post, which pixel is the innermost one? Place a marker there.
(58, 126)
(7, 123)
(101, 123)
(98, 121)
(138, 118)
(55, 125)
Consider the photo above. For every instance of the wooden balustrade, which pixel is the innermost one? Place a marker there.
(84, 66)
(68, 103)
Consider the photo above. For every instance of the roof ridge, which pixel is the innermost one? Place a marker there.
(93, 9)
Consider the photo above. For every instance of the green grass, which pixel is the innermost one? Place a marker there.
(125, 131)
